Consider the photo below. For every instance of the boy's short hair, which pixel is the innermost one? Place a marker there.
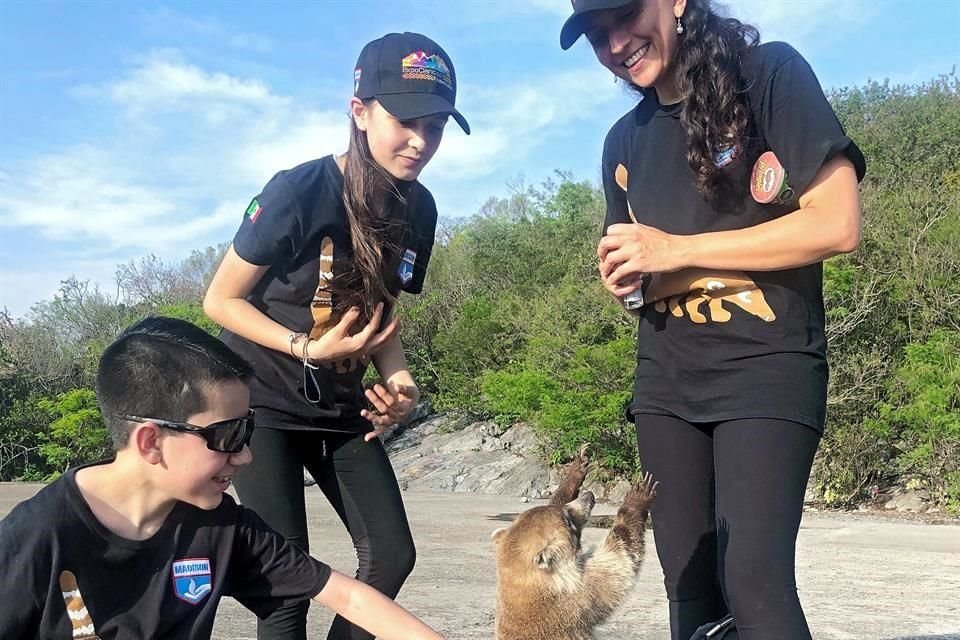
(161, 368)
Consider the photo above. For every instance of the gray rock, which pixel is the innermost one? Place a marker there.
(909, 501)
(617, 492)
(440, 454)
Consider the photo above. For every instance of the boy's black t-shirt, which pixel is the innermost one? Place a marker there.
(720, 345)
(298, 226)
(57, 557)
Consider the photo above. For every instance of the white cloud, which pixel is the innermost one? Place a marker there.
(190, 148)
(86, 194)
(166, 84)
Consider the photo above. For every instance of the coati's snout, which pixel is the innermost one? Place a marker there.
(579, 510)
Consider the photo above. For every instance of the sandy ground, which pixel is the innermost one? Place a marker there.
(860, 577)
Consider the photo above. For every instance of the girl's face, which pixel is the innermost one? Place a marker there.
(402, 147)
(638, 42)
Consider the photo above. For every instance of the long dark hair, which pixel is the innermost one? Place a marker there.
(716, 115)
(377, 208)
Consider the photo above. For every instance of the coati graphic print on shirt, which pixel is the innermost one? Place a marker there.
(76, 610)
(683, 293)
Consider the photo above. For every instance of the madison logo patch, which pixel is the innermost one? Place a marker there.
(405, 270)
(254, 210)
(192, 579)
(419, 66)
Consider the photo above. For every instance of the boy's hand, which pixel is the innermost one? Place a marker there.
(393, 402)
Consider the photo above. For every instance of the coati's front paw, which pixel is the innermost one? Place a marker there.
(573, 477)
(579, 466)
(641, 495)
(643, 491)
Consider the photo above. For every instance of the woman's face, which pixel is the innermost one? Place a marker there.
(402, 147)
(638, 41)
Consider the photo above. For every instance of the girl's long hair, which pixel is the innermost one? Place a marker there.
(377, 209)
(716, 114)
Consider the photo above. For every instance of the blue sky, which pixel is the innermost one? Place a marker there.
(136, 128)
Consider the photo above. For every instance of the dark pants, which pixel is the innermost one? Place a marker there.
(359, 482)
(726, 518)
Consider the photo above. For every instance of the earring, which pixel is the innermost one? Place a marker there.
(679, 26)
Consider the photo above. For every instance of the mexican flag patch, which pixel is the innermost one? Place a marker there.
(253, 211)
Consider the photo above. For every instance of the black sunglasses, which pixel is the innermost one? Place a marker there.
(225, 436)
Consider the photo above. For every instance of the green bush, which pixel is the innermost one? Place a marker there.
(77, 433)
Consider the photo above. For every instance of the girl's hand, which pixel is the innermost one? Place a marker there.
(393, 402)
(338, 343)
(628, 251)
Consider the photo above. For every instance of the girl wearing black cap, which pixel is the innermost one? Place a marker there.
(726, 186)
(306, 293)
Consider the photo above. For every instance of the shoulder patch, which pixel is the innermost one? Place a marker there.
(254, 210)
(405, 270)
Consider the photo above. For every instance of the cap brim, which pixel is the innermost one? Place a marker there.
(574, 26)
(410, 106)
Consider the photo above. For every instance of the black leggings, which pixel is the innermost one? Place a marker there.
(726, 518)
(359, 482)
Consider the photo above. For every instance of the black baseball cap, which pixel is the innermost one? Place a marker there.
(573, 27)
(409, 75)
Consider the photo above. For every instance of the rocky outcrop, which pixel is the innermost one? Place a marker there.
(441, 454)
(449, 454)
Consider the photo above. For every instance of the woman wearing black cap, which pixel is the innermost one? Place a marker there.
(726, 187)
(306, 293)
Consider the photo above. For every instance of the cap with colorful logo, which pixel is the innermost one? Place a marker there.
(410, 76)
(573, 28)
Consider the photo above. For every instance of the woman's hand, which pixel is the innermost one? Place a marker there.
(628, 251)
(339, 343)
(393, 402)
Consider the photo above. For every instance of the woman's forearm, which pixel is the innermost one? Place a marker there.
(797, 239)
(826, 224)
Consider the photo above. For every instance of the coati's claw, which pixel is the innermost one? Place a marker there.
(643, 490)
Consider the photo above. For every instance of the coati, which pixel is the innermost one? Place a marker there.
(548, 588)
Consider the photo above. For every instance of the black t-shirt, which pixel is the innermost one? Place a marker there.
(55, 555)
(719, 345)
(298, 225)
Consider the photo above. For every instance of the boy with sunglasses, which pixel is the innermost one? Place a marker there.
(146, 544)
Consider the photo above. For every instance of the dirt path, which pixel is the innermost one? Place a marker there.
(860, 577)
